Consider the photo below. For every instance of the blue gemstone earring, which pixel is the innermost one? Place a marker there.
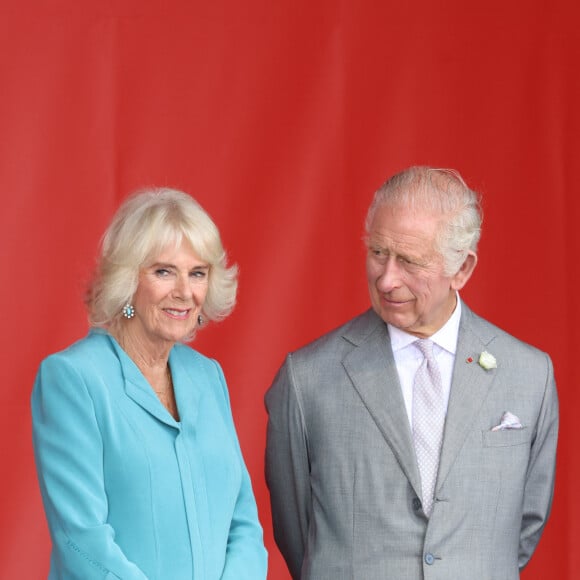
(128, 310)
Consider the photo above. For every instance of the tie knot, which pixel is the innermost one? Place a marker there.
(426, 347)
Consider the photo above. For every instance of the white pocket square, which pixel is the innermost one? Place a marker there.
(508, 421)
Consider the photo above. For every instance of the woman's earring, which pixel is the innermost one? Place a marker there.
(128, 310)
(199, 319)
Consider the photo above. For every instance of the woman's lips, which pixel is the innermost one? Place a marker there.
(177, 313)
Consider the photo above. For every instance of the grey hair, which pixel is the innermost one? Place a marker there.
(443, 192)
(148, 222)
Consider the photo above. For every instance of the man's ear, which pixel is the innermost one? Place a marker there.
(464, 273)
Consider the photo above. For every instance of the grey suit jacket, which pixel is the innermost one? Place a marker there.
(343, 478)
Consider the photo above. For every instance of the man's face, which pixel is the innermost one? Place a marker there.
(407, 282)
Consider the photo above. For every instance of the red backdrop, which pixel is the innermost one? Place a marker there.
(282, 118)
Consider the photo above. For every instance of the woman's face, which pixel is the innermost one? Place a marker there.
(169, 297)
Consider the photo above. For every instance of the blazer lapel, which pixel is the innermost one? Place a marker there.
(190, 382)
(371, 368)
(469, 387)
(138, 389)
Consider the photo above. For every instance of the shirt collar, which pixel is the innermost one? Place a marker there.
(445, 337)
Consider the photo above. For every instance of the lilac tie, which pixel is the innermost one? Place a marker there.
(428, 420)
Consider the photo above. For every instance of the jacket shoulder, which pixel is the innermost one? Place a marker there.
(86, 359)
(499, 341)
(95, 345)
(334, 344)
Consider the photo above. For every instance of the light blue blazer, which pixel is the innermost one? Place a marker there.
(128, 491)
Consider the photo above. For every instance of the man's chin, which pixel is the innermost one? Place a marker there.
(398, 321)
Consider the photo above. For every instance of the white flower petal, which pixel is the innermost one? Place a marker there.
(487, 361)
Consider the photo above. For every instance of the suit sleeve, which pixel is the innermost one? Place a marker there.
(287, 468)
(246, 557)
(539, 488)
(68, 453)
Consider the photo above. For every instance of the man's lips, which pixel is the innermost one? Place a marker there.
(394, 303)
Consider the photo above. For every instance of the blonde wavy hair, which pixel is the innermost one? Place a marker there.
(145, 224)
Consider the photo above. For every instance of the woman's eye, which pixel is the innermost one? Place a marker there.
(162, 272)
(199, 274)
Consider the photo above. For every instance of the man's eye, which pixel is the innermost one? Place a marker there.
(377, 255)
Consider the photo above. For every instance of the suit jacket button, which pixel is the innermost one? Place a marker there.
(416, 504)
(429, 559)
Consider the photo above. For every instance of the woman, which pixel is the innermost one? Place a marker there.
(139, 464)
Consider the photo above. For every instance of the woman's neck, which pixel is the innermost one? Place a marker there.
(150, 358)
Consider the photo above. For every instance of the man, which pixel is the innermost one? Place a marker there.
(418, 440)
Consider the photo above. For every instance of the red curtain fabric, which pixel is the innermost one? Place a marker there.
(282, 118)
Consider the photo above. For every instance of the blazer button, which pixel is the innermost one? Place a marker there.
(429, 558)
(416, 504)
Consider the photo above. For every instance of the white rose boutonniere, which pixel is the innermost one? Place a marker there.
(487, 361)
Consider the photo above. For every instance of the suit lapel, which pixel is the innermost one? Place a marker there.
(372, 370)
(469, 387)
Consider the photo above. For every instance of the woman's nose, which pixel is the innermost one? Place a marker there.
(181, 288)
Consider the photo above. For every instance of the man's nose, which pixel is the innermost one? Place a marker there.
(389, 276)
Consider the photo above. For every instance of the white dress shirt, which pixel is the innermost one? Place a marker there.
(408, 357)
